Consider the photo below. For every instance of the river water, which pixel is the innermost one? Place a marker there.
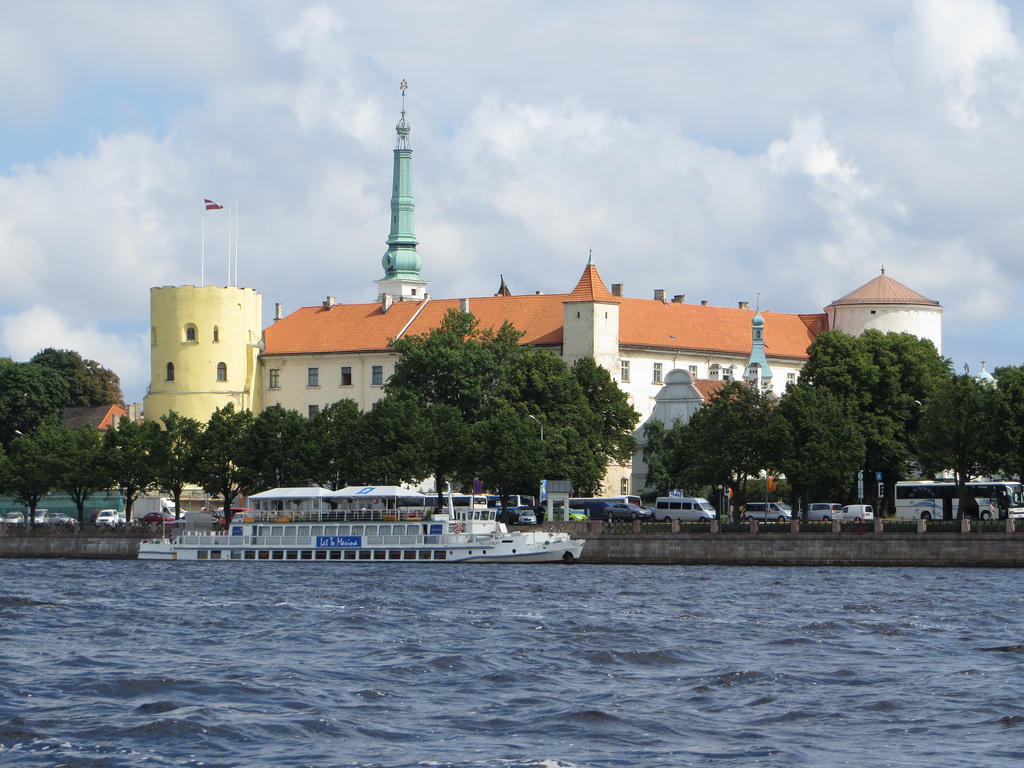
(334, 664)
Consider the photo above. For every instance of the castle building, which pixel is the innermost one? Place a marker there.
(666, 354)
(204, 350)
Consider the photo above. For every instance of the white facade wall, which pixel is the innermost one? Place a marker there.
(921, 321)
(294, 391)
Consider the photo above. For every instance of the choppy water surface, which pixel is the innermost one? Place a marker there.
(324, 664)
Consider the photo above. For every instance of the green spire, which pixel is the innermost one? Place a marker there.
(401, 260)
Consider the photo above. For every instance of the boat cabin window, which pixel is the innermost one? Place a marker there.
(330, 530)
(371, 530)
(289, 530)
(357, 530)
(316, 530)
(277, 530)
(385, 530)
(343, 530)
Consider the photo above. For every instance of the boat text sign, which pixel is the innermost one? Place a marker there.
(334, 542)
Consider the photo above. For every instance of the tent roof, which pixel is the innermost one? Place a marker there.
(312, 492)
(369, 491)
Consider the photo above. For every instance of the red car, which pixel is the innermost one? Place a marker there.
(165, 518)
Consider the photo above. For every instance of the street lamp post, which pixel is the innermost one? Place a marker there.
(539, 422)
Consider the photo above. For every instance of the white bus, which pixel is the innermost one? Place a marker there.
(930, 500)
(514, 501)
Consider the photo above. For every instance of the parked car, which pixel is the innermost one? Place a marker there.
(767, 512)
(627, 512)
(110, 518)
(522, 516)
(14, 518)
(856, 513)
(822, 512)
(57, 518)
(162, 517)
(684, 508)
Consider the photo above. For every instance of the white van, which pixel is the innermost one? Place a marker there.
(856, 513)
(684, 508)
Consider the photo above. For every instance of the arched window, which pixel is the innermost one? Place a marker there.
(152, 335)
(170, 371)
(222, 372)
(216, 333)
(190, 333)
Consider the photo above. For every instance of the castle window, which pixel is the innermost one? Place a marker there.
(312, 377)
(713, 372)
(170, 371)
(728, 374)
(346, 376)
(216, 334)
(624, 375)
(190, 333)
(274, 378)
(222, 372)
(377, 375)
(791, 378)
(657, 373)
(624, 486)
(313, 410)
(152, 335)
(693, 371)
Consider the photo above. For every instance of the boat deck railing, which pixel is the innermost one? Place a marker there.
(335, 515)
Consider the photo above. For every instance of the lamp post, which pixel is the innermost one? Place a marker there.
(540, 423)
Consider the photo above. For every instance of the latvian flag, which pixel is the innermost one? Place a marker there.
(212, 206)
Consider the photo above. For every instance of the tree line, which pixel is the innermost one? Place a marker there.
(464, 404)
(880, 402)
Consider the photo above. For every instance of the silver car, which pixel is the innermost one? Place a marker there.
(823, 512)
(773, 511)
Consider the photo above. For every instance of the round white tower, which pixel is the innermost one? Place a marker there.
(886, 305)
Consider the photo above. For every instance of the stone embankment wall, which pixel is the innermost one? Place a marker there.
(80, 546)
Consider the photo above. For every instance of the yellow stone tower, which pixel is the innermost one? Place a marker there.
(205, 343)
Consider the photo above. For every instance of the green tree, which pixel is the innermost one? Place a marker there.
(89, 383)
(611, 404)
(395, 434)
(80, 465)
(33, 469)
(736, 435)
(273, 450)
(956, 431)
(29, 396)
(1007, 438)
(178, 453)
(511, 453)
(220, 466)
(827, 446)
(882, 379)
(335, 440)
(130, 457)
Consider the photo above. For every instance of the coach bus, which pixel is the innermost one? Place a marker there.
(931, 500)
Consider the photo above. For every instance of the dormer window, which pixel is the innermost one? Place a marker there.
(713, 371)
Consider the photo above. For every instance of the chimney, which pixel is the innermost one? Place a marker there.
(617, 289)
(331, 301)
(744, 305)
(464, 305)
(679, 298)
(703, 302)
(386, 300)
(277, 312)
(659, 294)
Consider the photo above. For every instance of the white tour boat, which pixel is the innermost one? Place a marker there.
(363, 524)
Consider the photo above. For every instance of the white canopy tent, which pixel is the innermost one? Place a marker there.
(377, 497)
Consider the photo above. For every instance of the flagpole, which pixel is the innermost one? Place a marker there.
(236, 243)
(202, 252)
(228, 283)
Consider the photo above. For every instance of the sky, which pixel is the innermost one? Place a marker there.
(783, 151)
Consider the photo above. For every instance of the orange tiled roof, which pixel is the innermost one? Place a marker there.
(99, 416)
(700, 328)
(642, 323)
(591, 288)
(706, 387)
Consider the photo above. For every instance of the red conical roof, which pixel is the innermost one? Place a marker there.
(591, 288)
(883, 290)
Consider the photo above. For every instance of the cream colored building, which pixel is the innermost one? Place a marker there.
(204, 350)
